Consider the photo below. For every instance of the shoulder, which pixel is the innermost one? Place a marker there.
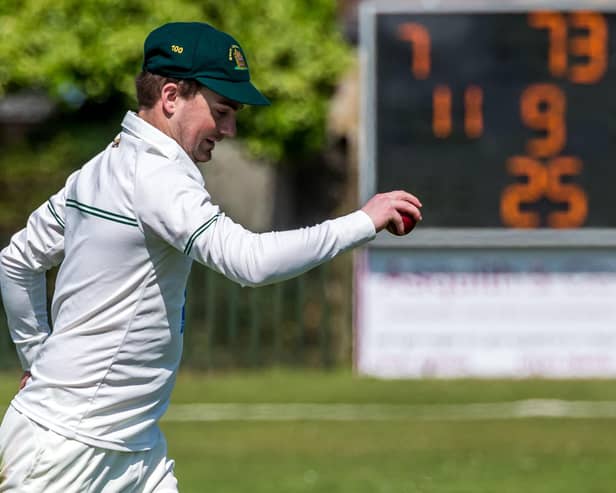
(151, 164)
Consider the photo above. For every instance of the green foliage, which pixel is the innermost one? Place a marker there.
(296, 56)
(31, 171)
(94, 48)
(35, 173)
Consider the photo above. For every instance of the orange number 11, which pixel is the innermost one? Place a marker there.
(442, 124)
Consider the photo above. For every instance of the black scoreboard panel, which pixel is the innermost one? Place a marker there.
(499, 120)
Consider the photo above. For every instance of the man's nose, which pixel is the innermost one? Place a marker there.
(228, 127)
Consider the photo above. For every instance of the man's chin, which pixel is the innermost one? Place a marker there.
(203, 157)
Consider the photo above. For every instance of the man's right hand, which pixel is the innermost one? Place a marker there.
(24, 379)
(385, 208)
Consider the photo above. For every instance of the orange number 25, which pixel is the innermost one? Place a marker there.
(544, 181)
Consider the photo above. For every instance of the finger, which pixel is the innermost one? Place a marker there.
(406, 196)
(393, 226)
(410, 209)
(398, 224)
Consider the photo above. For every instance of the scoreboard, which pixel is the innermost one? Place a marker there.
(498, 115)
(501, 117)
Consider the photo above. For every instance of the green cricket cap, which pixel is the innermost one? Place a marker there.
(196, 50)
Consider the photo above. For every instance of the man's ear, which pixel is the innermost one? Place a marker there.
(169, 97)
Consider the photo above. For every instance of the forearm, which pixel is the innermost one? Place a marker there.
(24, 299)
(23, 264)
(256, 259)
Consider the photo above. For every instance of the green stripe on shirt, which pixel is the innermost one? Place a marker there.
(103, 214)
(198, 232)
(55, 215)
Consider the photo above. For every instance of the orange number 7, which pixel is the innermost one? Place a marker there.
(418, 36)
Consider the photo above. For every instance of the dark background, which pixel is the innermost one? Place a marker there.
(460, 180)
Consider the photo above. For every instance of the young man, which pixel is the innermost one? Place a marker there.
(127, 227)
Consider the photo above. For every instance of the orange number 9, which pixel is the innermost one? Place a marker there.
(543, 108)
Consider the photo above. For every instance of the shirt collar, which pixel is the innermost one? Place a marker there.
(137, 126)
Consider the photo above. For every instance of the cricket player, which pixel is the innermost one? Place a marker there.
(125, 230)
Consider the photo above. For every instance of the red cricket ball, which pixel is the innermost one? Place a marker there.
(408, 221)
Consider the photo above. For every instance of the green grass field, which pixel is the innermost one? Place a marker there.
(398, 455)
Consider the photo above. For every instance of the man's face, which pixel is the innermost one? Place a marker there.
(201, 121)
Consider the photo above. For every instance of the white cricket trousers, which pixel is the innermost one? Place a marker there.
(34, 459)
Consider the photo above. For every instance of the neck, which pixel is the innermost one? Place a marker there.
(156, 118)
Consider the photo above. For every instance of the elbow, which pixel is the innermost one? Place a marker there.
(2, 257)
(3, 264)
(261, 271)
(256, 280)
(8, 267)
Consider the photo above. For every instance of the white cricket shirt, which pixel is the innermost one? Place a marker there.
(126, 228)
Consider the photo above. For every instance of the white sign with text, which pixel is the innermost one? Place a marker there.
(486, 324)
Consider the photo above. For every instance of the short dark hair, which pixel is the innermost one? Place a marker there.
(149, 85)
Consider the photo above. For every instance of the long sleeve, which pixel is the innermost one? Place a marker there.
(177, 208)
(261, 258)
(23, 263)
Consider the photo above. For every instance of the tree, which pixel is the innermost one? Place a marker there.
(91, 50)
(85, 55)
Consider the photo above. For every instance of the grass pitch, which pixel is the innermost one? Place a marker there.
(404, 455)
